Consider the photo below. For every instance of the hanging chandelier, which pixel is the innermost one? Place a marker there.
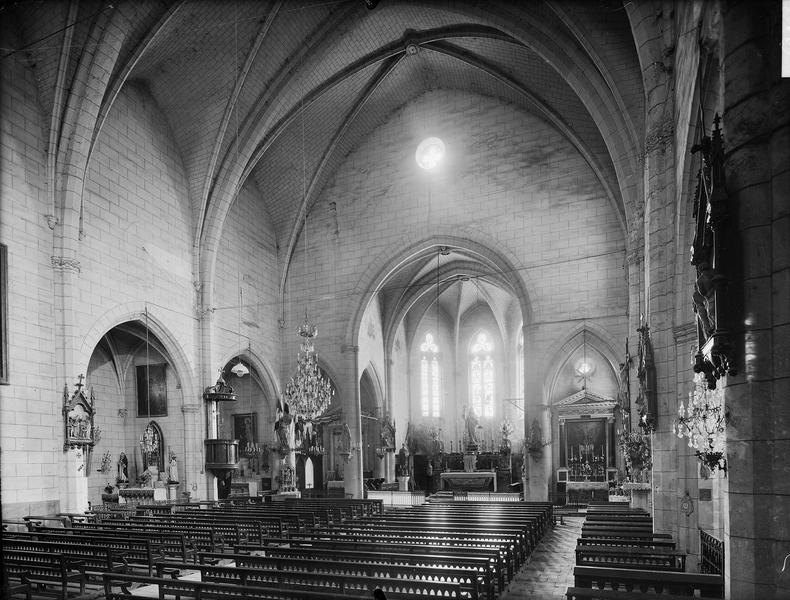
(704, 422)
(307, 393)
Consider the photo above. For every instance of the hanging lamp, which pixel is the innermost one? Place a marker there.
(149, 440)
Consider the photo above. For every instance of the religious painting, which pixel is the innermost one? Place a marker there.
(152, 390)
(586, 439)
(245, 428)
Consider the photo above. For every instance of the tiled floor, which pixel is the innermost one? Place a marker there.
(550, 569)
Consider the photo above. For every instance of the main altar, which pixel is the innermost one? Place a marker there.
(469, 481)
(473, 471)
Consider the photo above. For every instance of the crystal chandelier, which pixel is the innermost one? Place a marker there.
(307, 393)
(704, 422)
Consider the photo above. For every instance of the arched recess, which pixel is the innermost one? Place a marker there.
(127, 356)
(371, 409)
(140, 313)
(250, 419)
(581, 401)
(596, 340)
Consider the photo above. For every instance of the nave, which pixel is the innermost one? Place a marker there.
(325, 549)
(299, 548)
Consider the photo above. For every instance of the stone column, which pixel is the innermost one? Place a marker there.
(538, 470)
(756, 127)
(352, 415)
(68, 167)
(193, 442)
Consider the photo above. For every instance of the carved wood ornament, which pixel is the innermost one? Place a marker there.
(714, 356)
(79, 430)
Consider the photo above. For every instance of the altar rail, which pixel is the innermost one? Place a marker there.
(486, 496)
(396, 498)
(711, 553)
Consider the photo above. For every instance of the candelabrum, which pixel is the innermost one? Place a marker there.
(308, 393)
(704, 422)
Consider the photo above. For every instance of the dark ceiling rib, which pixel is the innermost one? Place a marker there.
(233, 102)
(540, 106)
(563, 15)
(304, 208)
(115, 87)
(420, 289)
(56, 119)
(257, 120)
(113, 353)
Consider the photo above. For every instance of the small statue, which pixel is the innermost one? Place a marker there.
(172, 469)
(387, 434)
(123, 468)
(403, 461)
(281, 428)
(472, 425)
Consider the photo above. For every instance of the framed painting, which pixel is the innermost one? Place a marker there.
(245, 427)
(152, 390)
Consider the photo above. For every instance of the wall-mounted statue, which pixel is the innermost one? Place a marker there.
(388, 434)
(710, 258)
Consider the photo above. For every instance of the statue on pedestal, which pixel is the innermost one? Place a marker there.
(472, 424)
(402, 466)
(123, 469)
(387, 434)
(172, 469)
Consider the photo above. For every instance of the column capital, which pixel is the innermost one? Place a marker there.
(63, 263)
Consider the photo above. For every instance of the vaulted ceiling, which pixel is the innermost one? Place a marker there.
(275, 94)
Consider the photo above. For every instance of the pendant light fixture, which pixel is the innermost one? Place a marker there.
(149, 440)
(239, 369)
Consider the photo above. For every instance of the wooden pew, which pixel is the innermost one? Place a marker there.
(394, 551)
(527, 523)
(624, 534)
(510, 553)
(630, 557)
(142, 550)
(38, 570)
(630, 580)
(96, 559)
(119, 587)
(450, 565)
(201, 537)
(575, 593)
(631, 543)
(360, 507)
(330, 575)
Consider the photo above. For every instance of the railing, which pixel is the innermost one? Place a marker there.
(711, 553)
(394, 498)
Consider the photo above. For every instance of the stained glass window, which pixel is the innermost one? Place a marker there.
(481, 374)
(430, 377)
